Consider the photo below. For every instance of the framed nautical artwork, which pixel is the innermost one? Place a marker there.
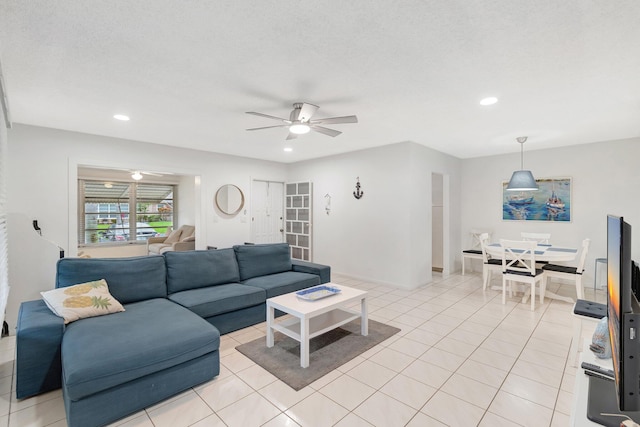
(551, 202)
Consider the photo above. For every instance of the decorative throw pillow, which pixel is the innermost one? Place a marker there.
(80, 301)
(174, 236)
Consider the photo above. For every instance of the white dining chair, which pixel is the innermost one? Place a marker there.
(570, 273)
(475, 252)
(543, 238)
(488, 264)
(519, 265)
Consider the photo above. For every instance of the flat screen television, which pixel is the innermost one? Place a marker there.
(623, 313)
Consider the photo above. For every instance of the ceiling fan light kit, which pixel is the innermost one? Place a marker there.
(522, 180)
(299, 129)
(300, 122)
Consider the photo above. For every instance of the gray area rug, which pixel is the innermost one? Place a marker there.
(326, 352)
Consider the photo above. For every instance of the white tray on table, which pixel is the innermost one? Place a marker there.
(317, 292)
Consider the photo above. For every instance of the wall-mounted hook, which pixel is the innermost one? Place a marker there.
(358, 194)
(327, 206)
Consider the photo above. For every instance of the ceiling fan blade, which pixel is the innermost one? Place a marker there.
(326, 131)
(307, 111)
(270, 127)
(268, 116)
(150, 173)
(291, 136)
(335, 120)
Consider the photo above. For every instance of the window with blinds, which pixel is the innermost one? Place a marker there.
(112, 212)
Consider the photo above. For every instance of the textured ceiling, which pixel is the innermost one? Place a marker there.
(565, 72)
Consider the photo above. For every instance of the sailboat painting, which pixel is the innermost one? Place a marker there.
(551, 202)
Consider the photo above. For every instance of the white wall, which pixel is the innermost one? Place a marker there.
(386, 235)
(605, 179)
(42, 185)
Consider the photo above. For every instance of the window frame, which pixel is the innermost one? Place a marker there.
(131, 201)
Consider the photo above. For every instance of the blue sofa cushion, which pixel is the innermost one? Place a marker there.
(207, 302)
(199, 269)
(102, 352)
(261, 260)
(282, 283)
(129, 279)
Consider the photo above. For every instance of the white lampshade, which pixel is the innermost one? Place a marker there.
(522, 180)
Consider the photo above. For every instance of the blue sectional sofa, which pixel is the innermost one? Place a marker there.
(166, 340)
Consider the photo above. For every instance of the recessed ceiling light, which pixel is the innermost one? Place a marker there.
(121, 117)
(489, 100)
(288, 149)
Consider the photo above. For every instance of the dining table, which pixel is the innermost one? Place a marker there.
(546, 253)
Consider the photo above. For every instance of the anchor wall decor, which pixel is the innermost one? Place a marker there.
(358, 194)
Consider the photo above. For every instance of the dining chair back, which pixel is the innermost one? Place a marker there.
(571, 273)
(488, 264)
(475, 252)
(519, 265)
(543, 238)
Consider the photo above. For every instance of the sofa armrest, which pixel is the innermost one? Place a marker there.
(160, 239)
(38, 342)
(184, 246)
(324, 271)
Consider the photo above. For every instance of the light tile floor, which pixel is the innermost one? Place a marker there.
(461, 359)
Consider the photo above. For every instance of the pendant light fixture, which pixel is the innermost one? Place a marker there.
(522, 180)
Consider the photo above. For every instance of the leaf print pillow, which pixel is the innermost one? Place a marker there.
(80, 301)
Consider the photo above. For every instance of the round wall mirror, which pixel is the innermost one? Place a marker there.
(229, 199)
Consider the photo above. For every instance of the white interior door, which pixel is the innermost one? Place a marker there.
(267, 216)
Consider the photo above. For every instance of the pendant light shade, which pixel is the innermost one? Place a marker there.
(522, 180)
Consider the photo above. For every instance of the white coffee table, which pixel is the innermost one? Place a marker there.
(313, 318)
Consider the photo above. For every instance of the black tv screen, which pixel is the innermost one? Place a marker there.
(623, 314)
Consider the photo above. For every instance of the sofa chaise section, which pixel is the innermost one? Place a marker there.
(143, 355)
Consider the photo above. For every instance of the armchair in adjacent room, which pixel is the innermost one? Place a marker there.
(181, 239)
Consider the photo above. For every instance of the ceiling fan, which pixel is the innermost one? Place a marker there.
(137, 174)
(300, 122)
